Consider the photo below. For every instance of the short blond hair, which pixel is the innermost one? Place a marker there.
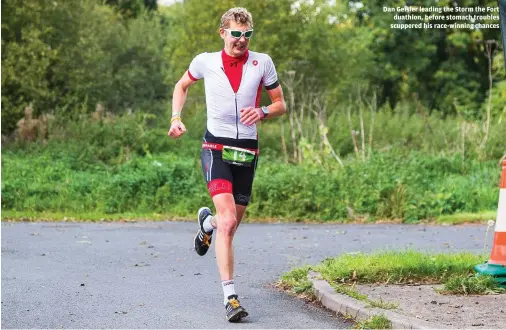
(237, 14)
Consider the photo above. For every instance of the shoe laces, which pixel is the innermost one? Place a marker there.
(234, 303)
(205, 239)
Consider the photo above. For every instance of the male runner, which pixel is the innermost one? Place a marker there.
(233, 79)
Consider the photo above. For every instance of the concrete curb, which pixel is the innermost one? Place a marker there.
(359, 310)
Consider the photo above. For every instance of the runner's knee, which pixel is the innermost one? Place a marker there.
(227, 222)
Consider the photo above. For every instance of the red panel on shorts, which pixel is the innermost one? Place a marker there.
(219, 186)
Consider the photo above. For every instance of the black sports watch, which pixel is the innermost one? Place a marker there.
(265, 110)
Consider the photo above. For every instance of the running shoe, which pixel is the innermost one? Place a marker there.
(202, 239)
(235, 312)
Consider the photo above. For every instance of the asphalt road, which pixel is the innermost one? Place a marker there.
(146, 274)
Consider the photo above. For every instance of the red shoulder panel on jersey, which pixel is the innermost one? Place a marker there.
(191, 77)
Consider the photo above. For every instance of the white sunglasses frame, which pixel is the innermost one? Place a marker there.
(243, 33)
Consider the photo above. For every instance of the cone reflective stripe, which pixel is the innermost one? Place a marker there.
(498, 256)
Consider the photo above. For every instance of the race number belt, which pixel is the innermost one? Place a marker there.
(233, 155)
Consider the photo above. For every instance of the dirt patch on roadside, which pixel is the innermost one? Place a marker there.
(459, 312)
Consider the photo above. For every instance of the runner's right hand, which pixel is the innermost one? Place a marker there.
(177, 129)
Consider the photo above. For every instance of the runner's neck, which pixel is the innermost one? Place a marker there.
(228, 58)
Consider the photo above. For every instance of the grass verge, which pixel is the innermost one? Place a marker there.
(460, 218)
(392, 267)
(8, 215)
(93, 216)
(455, 271)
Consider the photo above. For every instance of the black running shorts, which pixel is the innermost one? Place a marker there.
(223, 177)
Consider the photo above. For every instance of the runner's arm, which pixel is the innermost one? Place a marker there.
(180, 93)
(278, 106)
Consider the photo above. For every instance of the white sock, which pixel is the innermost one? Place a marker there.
(208, 227)
(228, 289)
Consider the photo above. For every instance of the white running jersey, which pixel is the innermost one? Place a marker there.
(223, 104)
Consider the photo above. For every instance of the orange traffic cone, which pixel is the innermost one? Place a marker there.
(498, 255)
(496, 265)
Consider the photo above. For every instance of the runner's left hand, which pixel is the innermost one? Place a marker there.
(251, 115)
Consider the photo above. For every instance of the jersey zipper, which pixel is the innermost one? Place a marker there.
(244, 68)
(236, 116)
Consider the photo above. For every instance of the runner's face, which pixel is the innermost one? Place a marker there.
(235, 47)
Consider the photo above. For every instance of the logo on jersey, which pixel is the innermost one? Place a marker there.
(255, 62)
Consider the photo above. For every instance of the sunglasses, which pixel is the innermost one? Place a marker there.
(238, 34)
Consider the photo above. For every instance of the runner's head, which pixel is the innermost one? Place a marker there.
(236, 28)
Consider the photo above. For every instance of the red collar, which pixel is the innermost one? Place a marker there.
(228, 59)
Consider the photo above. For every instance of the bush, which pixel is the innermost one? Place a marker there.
(410, 186)
(115, 164)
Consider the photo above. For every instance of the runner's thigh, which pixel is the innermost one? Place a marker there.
(243, 182)
(218, 174)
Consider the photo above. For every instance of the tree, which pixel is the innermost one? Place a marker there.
(132, 8)
(422, 61)
(76, 54)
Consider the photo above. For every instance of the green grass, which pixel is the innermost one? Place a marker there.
(455, 271)
(382, 304)
(375, 322)
(296, 281)
(397, 267)
(9, 215)
(29, 215)
(349, 291)
(459, 218)
(465, 285)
